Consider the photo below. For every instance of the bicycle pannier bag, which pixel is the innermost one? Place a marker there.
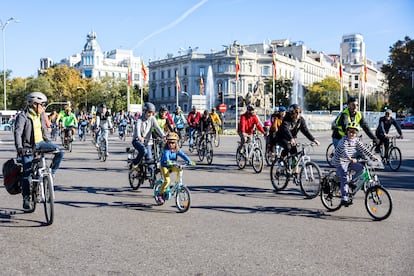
(12, 176)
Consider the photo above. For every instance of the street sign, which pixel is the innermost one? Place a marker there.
(222, 108)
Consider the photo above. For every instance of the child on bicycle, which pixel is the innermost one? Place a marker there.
(169, 157)
(345, 158)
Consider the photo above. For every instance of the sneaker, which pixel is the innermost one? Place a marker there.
(26, 203)
(107, 154)
(346, 203)
(96, 145)
(160, 199)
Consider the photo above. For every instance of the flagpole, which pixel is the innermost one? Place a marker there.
(237, 104)
(341, 103)
(129, 80)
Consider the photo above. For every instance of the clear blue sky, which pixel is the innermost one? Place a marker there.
(153, 28)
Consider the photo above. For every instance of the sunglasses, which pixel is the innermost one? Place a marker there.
(171, 142)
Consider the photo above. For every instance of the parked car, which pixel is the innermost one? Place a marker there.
(408, 122)
(6, 127)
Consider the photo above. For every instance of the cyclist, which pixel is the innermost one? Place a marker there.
(82, 123)
(216, 120)
(29, 134)
(276, 120)
(349, 147)
(169, 155)
(179, 120)
(248, 121)
(122, 120)
(162, 119)
(292, 123)
(206, 124)
(193, 121)
(69, 122)
(350, 114)
(384, 125)
(142, 140)
(103, 123)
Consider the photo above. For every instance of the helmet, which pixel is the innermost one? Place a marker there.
(276, 109)
(267, 123)
(351, 99)
(163, 108)
(102, 105)
(282, 108)
(68, 108)
(149, 107)
(295, 107)
(172, 136)
(213, 109)
(178, 107)
(36, 97)
(388, 111)
(353, 125)
(250, 107)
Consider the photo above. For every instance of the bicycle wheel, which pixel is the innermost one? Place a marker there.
(271, 154)
(257, 160)
(135, 179)
(216, 139)
(394, 159)
(70, 146)
(330, 154)
(209, 153)
(202, 150)
(258, 142)
(378, 202)
(153, 179)
(278, 175)
(241, 159)
(331, 192)
(49, 201)
(183, 199)
(310, 179)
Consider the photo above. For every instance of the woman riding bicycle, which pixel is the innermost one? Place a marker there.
(103, 124)
(345, 158)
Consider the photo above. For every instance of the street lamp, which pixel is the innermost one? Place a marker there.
(188, 98)
(3, 29)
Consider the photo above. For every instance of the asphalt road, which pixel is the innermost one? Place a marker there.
(236, 225)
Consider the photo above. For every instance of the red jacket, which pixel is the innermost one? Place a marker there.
(193, 118)
(247, 123)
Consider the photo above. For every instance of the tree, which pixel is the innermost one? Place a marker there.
(324, 95)
(399, 74)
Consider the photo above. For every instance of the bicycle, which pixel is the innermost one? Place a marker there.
(122, 130)
(142, 172)
(308, 178)
(330, 151)
(394, 154)
(41, 183)
(215, 135)
(54, 132)
(82, 130)
(205, 148)
(378, 201)
(102, 150)
(179, 190)
(250, 152)
(67, 139)
(272, 153)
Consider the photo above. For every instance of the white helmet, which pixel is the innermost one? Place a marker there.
(36, 97)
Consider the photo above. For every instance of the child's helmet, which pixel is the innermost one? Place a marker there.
(172, 136)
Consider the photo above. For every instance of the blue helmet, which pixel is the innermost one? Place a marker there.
(282, 108)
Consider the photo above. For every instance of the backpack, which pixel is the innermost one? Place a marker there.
(12, 172)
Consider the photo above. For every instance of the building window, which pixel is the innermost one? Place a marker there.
(266, 70)
(250, 88)
(162, 92)
(153, 76)
(185, 88)
(169, 91)
(185, 71)
(356, 77)
(202, 71)
(356, 85)
(221, 68)
(169, 73)
(162, 75)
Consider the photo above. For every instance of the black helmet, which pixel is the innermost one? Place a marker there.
(149, 107)
(163, 108)
(102, 105)
(295, 107)
(352, 99)
(36, 97)
(250, 107)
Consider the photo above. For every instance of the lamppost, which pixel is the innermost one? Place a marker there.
(188, 98)
(3, 29)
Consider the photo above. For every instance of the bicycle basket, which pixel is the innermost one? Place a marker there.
(12, 176)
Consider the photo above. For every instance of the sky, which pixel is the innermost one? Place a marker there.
(153, 29)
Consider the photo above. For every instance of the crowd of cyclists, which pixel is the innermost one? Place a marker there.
(281, 128)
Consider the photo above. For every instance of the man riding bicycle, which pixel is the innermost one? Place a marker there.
(103, 123)
(30, 134)
(193, 121)
(248, 121)
(69, 122)
(215, 119)
(384, 125)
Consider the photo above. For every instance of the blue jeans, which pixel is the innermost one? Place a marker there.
(103, 132)
(342, 172)
(142, 151)
(27, 164)
(192, 131)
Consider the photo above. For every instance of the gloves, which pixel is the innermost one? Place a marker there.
(170, 163)
(191, 163)
(376, 141)
(20, 151)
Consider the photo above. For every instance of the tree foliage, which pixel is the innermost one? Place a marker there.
(399, 74)
(324, 95)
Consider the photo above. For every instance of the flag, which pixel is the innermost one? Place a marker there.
(144, 71)
(201, 85)
(129, 76)
(274, 64)
(177, 82)
(237, 67)
(340, 68)
(365, 70)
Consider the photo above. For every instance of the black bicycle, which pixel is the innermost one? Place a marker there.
(394, 159)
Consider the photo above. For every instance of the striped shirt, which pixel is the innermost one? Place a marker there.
(349, 148)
